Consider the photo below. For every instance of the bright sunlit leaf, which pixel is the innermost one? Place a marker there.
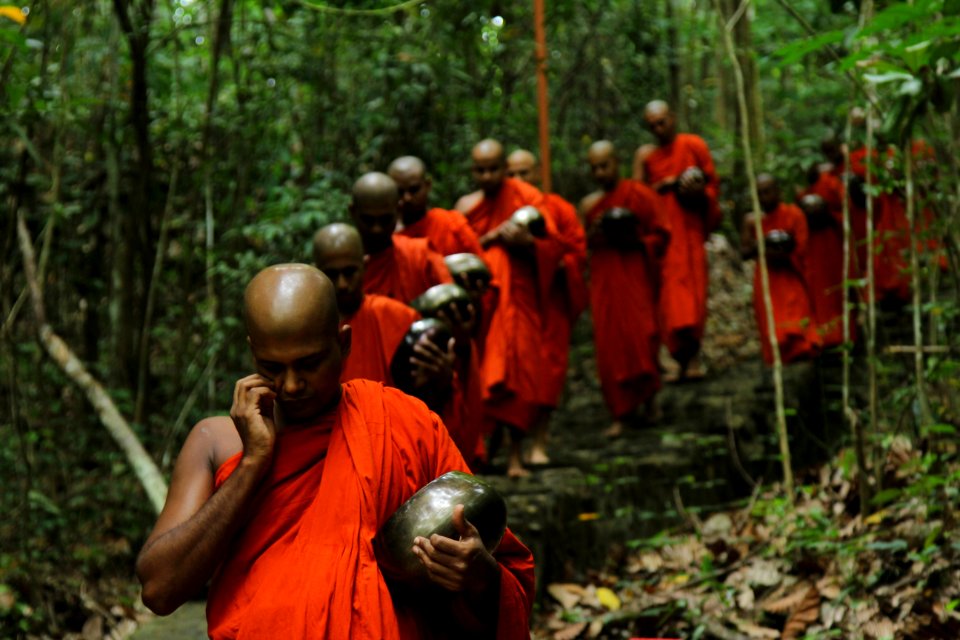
(14, 13)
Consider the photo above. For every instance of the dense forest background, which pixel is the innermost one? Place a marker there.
(159, 153)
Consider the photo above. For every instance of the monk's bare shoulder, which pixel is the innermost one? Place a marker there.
(588, 202)
(640, 161)
(467, 203)
(215, 439)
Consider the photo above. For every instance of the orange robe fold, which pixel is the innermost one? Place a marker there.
(405, 270)
(447, 232)
(683, 295)
(513, 361)
(796, 329)
(463, 413)
(567, 296)
(378, 327)
(304, 564)
(623, 300)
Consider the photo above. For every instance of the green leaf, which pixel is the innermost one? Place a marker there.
(887, 77)
(892, 545)
(943, 429)
(886, 496)
(799, 49)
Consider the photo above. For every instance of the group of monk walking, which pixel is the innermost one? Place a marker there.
(418, 333)
(504, 369)
(808, 268)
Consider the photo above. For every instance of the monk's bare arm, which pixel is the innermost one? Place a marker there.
(194, 529)
(639, 172)
(467, 203)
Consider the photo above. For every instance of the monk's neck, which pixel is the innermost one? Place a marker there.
(666, 142)
(492, 193)
(410, 219)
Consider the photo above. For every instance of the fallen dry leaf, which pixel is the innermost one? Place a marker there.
(806, 613)
(568, 595)
(570, 632)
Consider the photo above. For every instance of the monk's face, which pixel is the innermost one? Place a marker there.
(604, 168)
(376, 222)
(414, 191)
(661, 124)
(488, 172)
(769, 194)
(345, 269)
(521, 169)
(304, 369)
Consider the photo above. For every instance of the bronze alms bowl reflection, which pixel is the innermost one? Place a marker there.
(532, 219)
(430, 511)
(618, 222)
(440, 297)
(469, 267)
(435, 330)
(815, 208)
(779, 241)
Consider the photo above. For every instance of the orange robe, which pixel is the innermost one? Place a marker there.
(463, 413)
(823, 264)
(303, 566)
(792, 311)
(378, 327)
(683, 296)
(567, 296)
(447, 232)
(405, 270)
(513, 362)
(623, 299)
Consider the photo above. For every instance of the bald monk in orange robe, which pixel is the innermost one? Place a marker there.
(823, 269)
(377, 323)
(446, 231)
(279, 504)
(680, 169)
(624, 272)
(796, 329)
(523, 266)
(397, 267)
(566, 299)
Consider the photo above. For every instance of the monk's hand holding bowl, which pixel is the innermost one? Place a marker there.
(432, 366)
(252, 415)
(515, 236)
(691, 182)
(462, 565)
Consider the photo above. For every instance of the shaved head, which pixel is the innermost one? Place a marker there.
(488, 149)
(337, 238)
(374, 208)
(660, 121)
(338, 253)
(407, 165)
(295, 337)
(604, 164)
(288, 299)
(413, 187)
(522, 165)
(489, 168)
(373, 189)
(768, 192)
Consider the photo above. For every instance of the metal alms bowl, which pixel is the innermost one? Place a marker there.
(436, 330)
(468, 265)
(532, 219)
(779, 241)
(430, 511)
(440, 297)
(618, 221)
(815, 208)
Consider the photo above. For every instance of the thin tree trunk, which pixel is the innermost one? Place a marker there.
(926, 417)
(726, 31)
(138, 458)
(874, 400)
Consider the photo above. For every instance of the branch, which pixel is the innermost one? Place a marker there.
(138, 458)
(384, 11)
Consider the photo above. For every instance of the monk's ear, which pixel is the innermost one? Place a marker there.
(345, 338)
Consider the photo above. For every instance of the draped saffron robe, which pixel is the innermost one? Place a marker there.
(567, 297)
(823, 264)
(796, 329)
(513, 361)
(447, 232)
(683, 295)
(623, 286)
(404, 270)
(303, 566)
(377, 328)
